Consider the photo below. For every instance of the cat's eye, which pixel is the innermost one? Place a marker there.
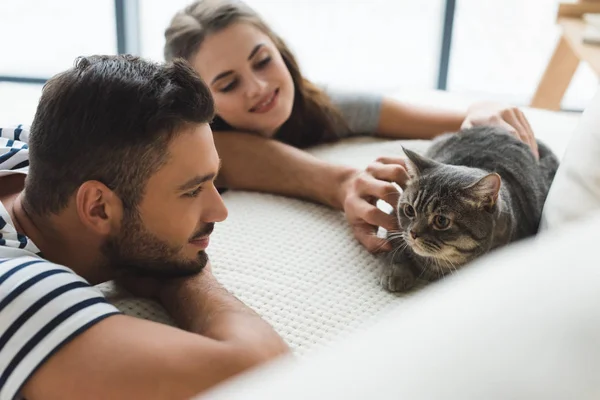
(441, 223)
(409, 211)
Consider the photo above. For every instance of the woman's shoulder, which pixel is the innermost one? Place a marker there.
(359, 109)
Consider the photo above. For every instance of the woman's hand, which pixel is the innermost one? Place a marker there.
(511, 118)
(362, 190)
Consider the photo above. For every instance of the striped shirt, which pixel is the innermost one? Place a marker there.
(42, 305)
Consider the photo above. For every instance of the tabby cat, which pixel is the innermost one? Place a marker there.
(471, 192)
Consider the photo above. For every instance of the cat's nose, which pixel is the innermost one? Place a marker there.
(413, 234)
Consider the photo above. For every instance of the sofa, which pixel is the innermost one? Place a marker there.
(476, 334)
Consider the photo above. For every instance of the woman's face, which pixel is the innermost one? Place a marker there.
(251, 85)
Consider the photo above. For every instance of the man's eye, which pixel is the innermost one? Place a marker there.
(194, 193)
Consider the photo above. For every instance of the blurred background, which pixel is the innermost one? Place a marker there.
(484, 49)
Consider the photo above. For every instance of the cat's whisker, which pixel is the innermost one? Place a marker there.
(423, 270)
(396, 241)
(449, 263)
(390, 193)
(439, 264)
(374, 234)
(395, 232)
(454, 266)
(380, 246)
(393, 257)
(384, 241)
(402, 247)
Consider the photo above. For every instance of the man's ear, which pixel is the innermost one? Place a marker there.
(98, 207)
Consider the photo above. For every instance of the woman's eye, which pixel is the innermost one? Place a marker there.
(229, 87)
(263, 63)
(409, 211)
(440, 222)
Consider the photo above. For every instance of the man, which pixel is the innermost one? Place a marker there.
(117, 183)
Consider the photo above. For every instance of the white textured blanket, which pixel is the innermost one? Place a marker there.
(297, 263)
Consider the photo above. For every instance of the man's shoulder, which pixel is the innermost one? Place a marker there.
(25, 271)
(10, 265)
(14, 149)
(43, 306)
(16, 133)
(27, 279)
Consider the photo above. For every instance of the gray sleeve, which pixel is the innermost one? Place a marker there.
(360, 111)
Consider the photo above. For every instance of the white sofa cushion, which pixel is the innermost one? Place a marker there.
(576, 188)
(523, 323)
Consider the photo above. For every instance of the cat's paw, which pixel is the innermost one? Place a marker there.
(397, 280)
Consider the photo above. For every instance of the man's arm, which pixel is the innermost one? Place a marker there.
(125, 358)
(202, 306)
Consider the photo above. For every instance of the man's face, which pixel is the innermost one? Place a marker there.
(168, 233)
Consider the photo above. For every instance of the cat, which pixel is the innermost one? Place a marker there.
(471, 192)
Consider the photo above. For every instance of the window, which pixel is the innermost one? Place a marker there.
(499, 49)
(503, 47)
(18, 102)
(380, 45)
(41, 38)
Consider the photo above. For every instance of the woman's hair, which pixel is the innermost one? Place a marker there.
(314, 119)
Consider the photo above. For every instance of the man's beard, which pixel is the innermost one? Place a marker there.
(135, 250)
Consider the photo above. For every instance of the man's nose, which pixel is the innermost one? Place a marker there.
(216, 211)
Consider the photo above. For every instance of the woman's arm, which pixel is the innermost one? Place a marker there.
(401, 120)
(372, 114)
(251, 162)
(254, 163)
(405, 121)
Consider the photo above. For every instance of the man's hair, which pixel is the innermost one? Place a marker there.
(110, 119)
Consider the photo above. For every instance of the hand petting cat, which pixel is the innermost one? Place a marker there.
(361, 194)
(508, 117)
(361, 191)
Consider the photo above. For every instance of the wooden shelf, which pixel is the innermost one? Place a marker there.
(572, 31)
(570, 51)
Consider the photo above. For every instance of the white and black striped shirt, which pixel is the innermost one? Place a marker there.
(42, 305)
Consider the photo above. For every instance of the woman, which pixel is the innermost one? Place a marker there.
(267, 112)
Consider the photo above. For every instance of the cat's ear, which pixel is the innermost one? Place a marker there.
(486, 190)
(417, 164)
